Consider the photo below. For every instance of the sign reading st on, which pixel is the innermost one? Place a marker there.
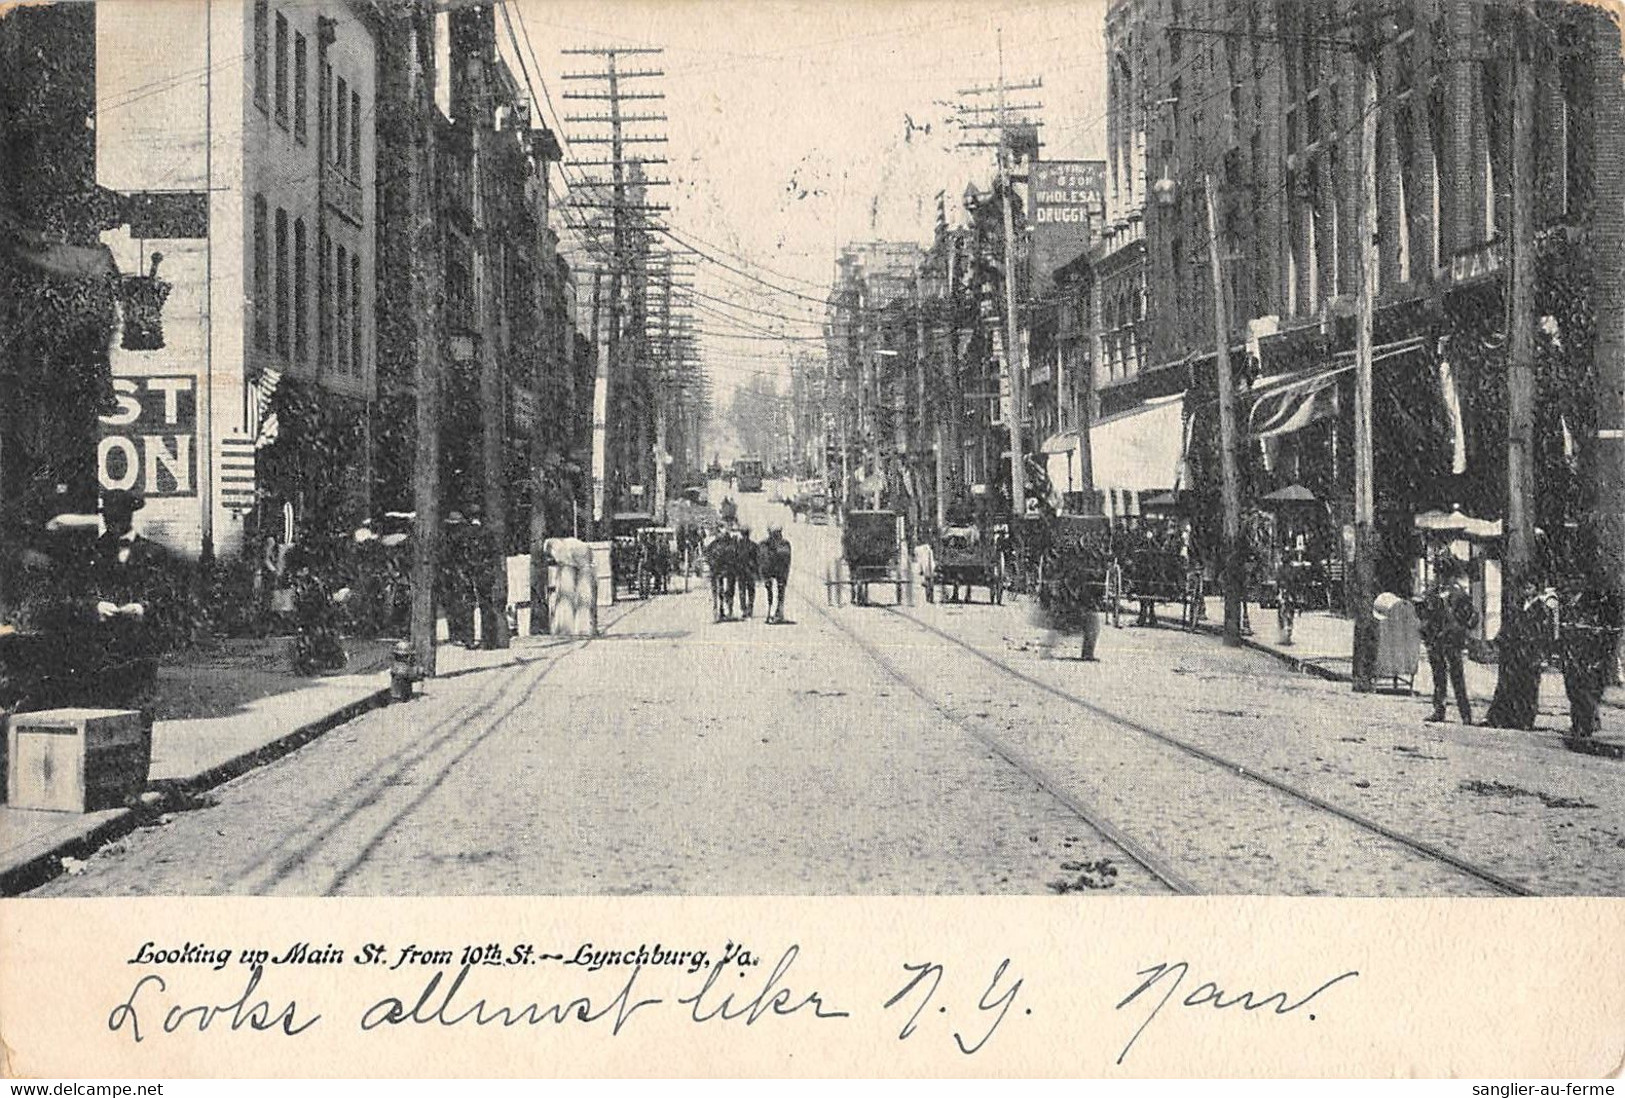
(148, 443)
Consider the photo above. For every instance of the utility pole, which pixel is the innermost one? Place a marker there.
(553, 372)
(627, 376)
(473, 52)
(1227, 431)
(1519, 525)
(1365, 492)
(1015, 366)
(425, 259)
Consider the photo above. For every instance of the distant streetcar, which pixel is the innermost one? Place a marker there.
(748, 475)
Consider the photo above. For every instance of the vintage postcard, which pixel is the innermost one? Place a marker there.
(564, 538)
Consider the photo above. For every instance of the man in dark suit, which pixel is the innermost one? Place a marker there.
(1448, 618)
(132, 603)
(746, 568)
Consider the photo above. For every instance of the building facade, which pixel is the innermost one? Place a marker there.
(1263, 102)
(250, 138)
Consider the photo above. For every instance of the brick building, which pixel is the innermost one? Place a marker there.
(1264, 98)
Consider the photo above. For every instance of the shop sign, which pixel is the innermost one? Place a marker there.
(1068, 200)
(149, 444)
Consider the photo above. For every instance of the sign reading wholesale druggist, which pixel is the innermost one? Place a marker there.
(1068, 199)
(149, 444)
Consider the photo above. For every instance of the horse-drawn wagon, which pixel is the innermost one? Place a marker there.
(873, 551)
(963, 559)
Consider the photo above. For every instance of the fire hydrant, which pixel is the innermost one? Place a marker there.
(403, 672)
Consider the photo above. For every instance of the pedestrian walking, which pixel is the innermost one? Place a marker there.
(775, 565)
(747, 567)
(1522, 649)
(1447, 617)
(1590, 621)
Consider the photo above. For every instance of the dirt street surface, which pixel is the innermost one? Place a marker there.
(924, 749)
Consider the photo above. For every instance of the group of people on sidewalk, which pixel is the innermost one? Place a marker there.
(1575, 626)
(736, 562)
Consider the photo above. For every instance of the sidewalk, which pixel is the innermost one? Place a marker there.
(1322, 645)
(221, 713)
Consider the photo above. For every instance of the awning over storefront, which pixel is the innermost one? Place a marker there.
(1141, 448)
(1062, 442)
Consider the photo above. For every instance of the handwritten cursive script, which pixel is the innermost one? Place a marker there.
(1210, 994)
(707, 1003)
(442, 1008)
(260, 1015)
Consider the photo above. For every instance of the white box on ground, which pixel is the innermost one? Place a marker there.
(76, 760)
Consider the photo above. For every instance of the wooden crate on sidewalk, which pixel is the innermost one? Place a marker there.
(76, 760)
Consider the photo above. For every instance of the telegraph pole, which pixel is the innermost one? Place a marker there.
(473, 51)
(1365, 493)
(1520, 518)
(628, 381)
(1015, 366)
(1227, 431)
(425, 253)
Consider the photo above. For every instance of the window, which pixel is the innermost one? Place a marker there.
(324, 107)
(324, 299)
(341, 293)
(343, 140)
(281, 70)
(355, 316)
(301, 294)
(355, 135)
(262, 30)
(282, 286)
(301, 96)
(262, 317)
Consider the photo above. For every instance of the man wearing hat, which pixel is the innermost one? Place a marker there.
(132, 601)
(1448, 619)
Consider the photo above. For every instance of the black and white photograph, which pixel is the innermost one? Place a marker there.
(558, 449)
(536, 449)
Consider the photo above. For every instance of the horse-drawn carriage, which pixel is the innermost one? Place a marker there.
(626, 551)
(873, 551)
(963, 558)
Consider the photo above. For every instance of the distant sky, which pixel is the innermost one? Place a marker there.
(789, 129)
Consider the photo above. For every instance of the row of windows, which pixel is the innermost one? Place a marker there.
(282, 294)
(338, 103)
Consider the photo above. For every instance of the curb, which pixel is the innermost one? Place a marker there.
(42, 867)
(1296, 663)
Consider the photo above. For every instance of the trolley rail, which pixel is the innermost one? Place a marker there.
(1158, 866)
(1414, 845)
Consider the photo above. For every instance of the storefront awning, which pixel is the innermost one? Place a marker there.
(1139, 449)
(1062, 442)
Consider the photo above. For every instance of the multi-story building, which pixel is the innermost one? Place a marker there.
(249, 139)
(869, 322)
(1262, 101)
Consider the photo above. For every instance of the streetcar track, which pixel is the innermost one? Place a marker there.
(1173, 880)
(280, 860)
(1415, 845)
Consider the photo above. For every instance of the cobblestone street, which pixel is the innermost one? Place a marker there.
(932, 749)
